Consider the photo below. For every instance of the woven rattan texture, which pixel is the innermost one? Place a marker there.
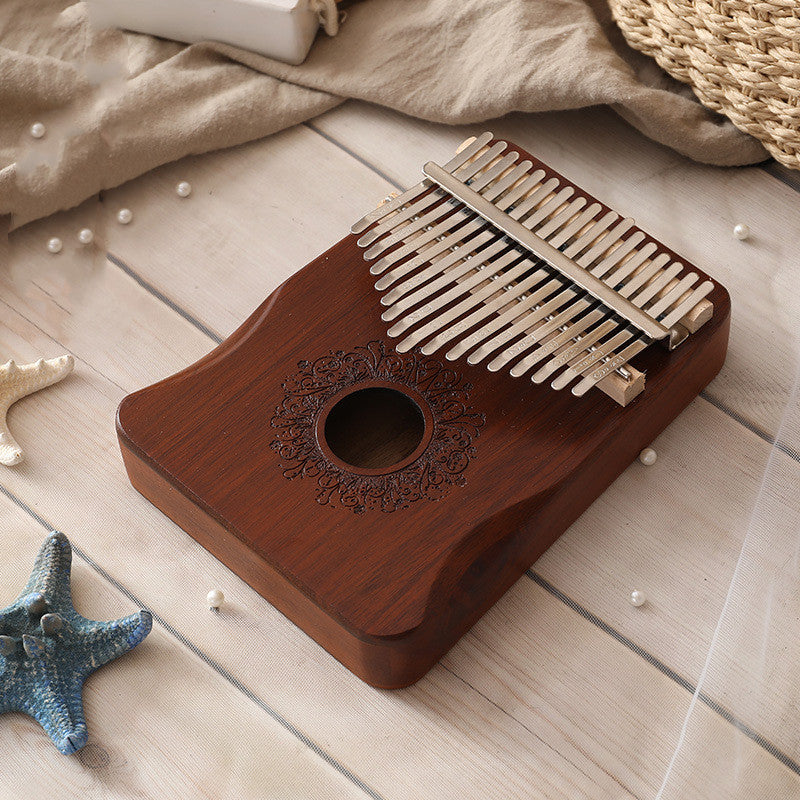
(742, 59)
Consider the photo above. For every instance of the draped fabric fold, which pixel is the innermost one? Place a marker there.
(118, 104)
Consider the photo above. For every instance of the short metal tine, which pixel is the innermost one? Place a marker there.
(586, 239)
(644, 275)
(473, 168)
(392, 205)
(551, 345)
(632, 264)
(682, 309)
(583, 363)
(565, 356)
(560, 219)
(570, 230)
(527, 205)
(480, 182)
(402, 216)
(674, 294)
(501, 184)
(656, 285)
(614, 235)
(617, 254)
(607, 367)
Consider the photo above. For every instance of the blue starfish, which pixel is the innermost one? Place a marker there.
(47, 649)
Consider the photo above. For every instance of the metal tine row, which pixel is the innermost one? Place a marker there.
(474, 224)
(395, 229)
(493, 269)
(410, 194)
(458, 239)
(521, 325)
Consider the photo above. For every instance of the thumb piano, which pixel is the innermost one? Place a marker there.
(407, 423)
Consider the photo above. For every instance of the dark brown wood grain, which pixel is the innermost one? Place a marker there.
(386, 567)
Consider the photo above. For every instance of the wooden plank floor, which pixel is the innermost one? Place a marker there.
(563, 690)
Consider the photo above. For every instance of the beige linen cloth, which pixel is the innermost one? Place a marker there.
(118, 104)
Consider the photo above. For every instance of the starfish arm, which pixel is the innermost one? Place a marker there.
(105, 641)
(51, 572)
(54, 700)
(10, 451)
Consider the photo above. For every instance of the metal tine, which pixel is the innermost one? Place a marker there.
(548, 207)
(438, 300)
(573, 227)
(440, 268)
(657, 284)
(560, 219)
(465, 305)
(510, 295)
(533, 338)
(574, 350)
(454, 163)
(558, 321)
(673, 295)
(617, 255)
(551, 302)
(410, 194)
(572, 372)
(682, 309)
(608, 219)
(598, 373)
(519, 309)
(642, 277)
(396, 234)
(470, 227)
(613, 236)
(631, 264)
(558, 341)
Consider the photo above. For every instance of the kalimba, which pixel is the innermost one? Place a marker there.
(382, 450)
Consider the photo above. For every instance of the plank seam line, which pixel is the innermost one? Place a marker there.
(216, 666)
(786, 449)
(353, 154)
(159, 295)
(684, 683)
(776, 171)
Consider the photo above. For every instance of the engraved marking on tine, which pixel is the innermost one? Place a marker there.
(573, 350)
(387, 208)
(572, 372)
(609, 366)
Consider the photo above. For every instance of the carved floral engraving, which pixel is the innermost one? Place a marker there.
(441, 465)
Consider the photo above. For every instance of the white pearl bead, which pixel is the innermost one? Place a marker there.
(638, 598)
(85, 236)
(54, 245)
(648, 456)
(184, 189)
(215, 598)
(38, 130)
(124, 216)
(741, 231)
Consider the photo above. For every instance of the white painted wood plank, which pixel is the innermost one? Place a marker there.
(690, 207)
(161, 722)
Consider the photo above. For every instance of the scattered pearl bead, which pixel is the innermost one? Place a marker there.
(184, 189)
(85, 236)
(38, 130)
(124, 216)
(54, 245)
(648, 456)
(741, 231)
(638, 598)
(215, 599)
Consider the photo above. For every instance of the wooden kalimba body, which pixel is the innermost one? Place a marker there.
(383, 478)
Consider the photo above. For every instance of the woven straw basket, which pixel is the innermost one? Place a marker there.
(742, 59)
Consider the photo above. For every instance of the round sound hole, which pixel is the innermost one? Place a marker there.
(374, 428)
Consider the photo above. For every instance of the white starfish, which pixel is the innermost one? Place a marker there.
(19, 381)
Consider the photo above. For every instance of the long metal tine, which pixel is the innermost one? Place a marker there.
(570, 230)
(633, 263)
(617, 255)
(674, 294)
(606, 368)
(584, 362)
(614, 235)
(387, 208)
(573, 351)
(682, 309)
(644, 275)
